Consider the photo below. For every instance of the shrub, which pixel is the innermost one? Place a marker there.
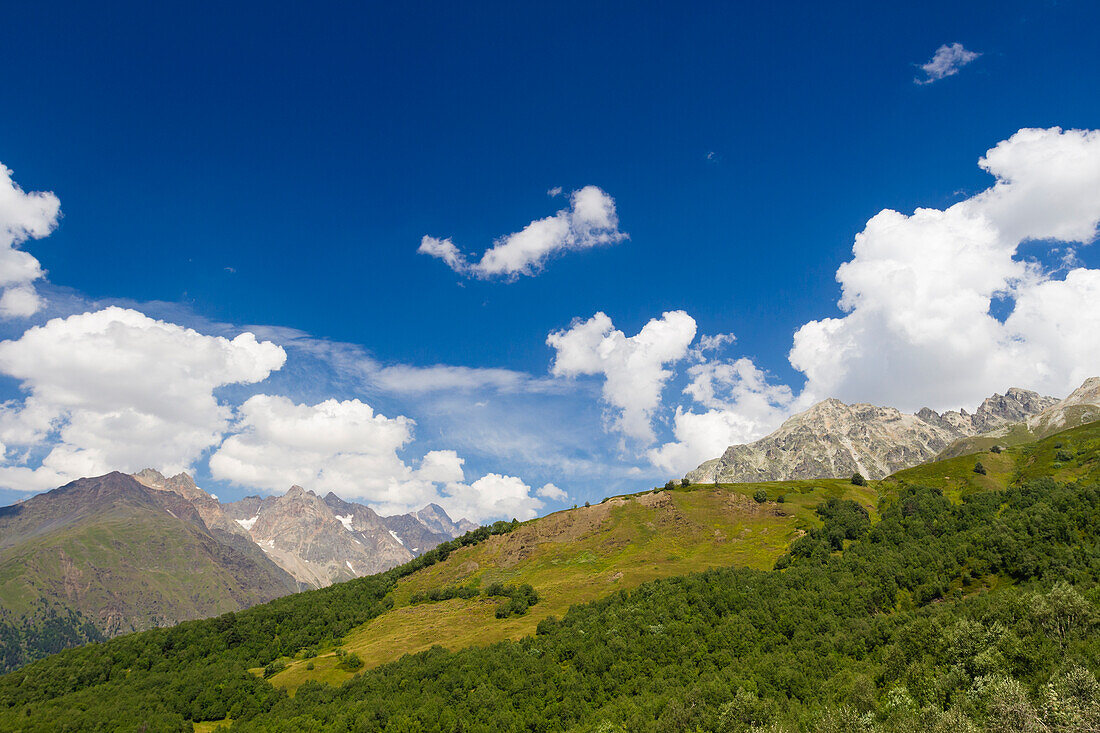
(858, 480)
(670, 486)
(760, 496)
(684, 482)
(979, 468)
(782, 498)
(996, 449)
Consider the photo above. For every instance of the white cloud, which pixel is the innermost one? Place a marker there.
(715, 342)
(633, 368)
(23, 216)
(946, 62)
(492, 495)
(917, 296)
(344, 446)
(919, 288)
(20, 301)
(741, 406)
(408, 379)
(590, 221)
(552, 492)
(117, 390)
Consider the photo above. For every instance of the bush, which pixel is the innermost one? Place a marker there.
(858, 480)
(685, 483)
(782, 498)
(274, 668)
(979, 468)
(352, 661)
(996, 449)
(760, 496)
(670, 486)
(1063, 456)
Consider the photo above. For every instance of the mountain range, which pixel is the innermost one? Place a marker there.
(119, 553)
(835, 440)
(941, 598)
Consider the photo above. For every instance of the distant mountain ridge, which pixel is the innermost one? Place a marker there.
(110, 552)
(317, 540)
(835, 440)
(118, 553)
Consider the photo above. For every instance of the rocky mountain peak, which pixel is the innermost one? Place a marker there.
(833, 439)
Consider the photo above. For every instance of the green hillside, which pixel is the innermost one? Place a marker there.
(1022, 433)
(1072, 455)
(581, 555)
(940, 599)
(100, 557)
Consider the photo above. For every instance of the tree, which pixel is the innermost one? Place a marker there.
(670, 486)
(760, 496)
(684, 482)
(979, 468)
(858, 480)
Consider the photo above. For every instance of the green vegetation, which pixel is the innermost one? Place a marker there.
(969, 605)
(972, 616)
(205, 670)
(583, 555)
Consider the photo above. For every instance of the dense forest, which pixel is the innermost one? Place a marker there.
(941, 615)
(50, 628)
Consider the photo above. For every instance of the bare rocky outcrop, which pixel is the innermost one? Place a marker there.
(834, 440)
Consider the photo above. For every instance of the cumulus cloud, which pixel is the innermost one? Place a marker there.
(552, 492)
(918, 295)
(633, 367)
(918, 289)
(117, 390)
(946, 62)
(346, 447)
(23, 216)
(590, 221)
(741, 406)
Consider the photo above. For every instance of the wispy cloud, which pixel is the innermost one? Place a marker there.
(590, 221)
(946, 62)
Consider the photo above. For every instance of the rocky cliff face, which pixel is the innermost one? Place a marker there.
(835, 440)
(1082, 406)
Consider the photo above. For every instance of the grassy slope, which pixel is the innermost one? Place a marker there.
(1020, 433)
(956, 477)
(580, 555)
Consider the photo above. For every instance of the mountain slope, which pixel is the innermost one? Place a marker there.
(975, 614)
(835, 440)
(125, 557)
(580, 555)
(1081, 407)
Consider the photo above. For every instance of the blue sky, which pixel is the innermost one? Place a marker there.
(275, 168)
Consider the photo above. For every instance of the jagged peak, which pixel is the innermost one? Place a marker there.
(149, 473)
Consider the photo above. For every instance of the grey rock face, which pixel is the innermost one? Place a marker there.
(835, 440)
